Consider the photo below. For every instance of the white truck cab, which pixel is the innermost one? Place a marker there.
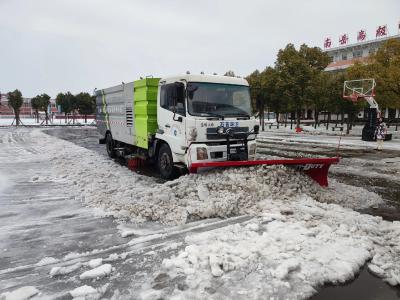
(199, 118)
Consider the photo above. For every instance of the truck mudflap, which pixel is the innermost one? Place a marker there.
(316, 168)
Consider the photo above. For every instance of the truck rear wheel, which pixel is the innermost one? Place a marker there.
(165, 163)
(110, 146)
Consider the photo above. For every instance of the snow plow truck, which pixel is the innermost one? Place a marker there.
(186, 122)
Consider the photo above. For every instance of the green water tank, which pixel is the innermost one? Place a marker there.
(145, 108)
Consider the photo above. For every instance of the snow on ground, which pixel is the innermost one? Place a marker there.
(97, 273)
(299, 236)
(32, 122)
(87, 292)
(23, 293)
(321, 130)
(221, 193)
(285, 253)
(321, 138)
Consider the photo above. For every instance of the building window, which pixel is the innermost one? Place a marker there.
(344, 56)
(357, 53)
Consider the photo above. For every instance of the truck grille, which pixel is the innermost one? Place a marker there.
(240, 132)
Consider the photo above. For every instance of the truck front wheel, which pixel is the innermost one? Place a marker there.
(110, 146)
(165, 163)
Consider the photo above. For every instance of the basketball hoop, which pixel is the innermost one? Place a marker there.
(354, 97)
(360, 88)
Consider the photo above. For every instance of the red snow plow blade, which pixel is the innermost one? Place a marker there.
(316, 168)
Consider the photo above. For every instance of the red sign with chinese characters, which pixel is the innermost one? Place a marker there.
(343, 39)
(381, 31)
(361, 36)
(327, 43)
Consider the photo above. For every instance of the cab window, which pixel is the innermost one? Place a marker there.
(172, 97)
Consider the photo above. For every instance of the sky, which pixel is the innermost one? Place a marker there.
(51, 46)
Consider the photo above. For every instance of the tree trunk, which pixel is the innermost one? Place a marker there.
(351, 120)
(85, 119)
(316, 116)
(291, 120)
(47, 117)
(348, 127)
(16, 113)
(65, 117)
(328, 121)
(298, 118)
(277, 120)
(286, 116)
(262, 107)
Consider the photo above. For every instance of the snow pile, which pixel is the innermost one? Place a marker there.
(23, 293)
(286, 254)
(86, 292)
(47, 261)
(97, 273)
(96, 262)
(115, 190)
(4, 182)
(56, 271)
(219, 193)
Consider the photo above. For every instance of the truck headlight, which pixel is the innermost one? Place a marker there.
(202, 153)
(252, 149)
(220, 130)
(193, 134)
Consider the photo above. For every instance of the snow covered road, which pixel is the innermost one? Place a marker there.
(64, 230)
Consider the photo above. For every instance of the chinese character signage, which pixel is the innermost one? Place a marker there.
(381, 31)
(343, 39)
(328, 43)
(361, 36)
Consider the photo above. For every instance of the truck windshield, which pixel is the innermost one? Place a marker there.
(216, 99)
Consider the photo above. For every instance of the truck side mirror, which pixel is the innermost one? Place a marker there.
(179, 119)
(256, 129)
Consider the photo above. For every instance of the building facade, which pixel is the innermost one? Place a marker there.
(346, 55)
(26, 109)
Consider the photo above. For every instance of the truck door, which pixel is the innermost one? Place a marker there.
(171, 115)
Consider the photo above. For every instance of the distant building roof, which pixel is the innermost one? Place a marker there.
(344, 64)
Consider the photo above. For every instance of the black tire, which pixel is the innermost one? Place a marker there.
(165, 163)
(110, 146)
